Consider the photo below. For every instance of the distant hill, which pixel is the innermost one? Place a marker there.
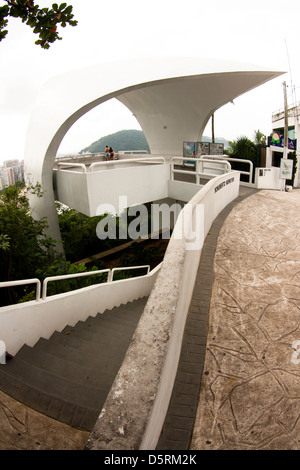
(122, 140)
(130, 140)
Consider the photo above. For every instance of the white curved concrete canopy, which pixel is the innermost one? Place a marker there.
(172, 99)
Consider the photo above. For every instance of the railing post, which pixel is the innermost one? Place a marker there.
(251, 172)
(38, 292)
(44, 292)
(197, 164)
(110, 275)
(2, 352)
(172, 171)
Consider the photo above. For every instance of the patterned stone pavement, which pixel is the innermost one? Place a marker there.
(24, 429)
(250, 390)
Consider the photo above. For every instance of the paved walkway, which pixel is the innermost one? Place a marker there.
(249, 394)
(250, 389)
(22, 428)
(179, 423)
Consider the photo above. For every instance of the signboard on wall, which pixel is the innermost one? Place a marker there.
(189, 149)
(202, 148)
(277, 140)
(286, 169)
(196, 149)
(216, 149)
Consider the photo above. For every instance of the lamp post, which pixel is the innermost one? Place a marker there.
(286, 129)
(286, 125)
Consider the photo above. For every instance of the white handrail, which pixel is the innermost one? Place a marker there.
(79, 155)
(232, 159)
(128, 268)
(110, 275)
(24, 282)
(132, 152)
(197, 173)
(81, 165)
(71, 276)
(126, 160)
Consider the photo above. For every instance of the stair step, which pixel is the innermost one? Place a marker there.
(130, 312)
(103, 354)
(128, 309)
(101, 330)
(54, 385)
(90, 341)
(102, 324)
(69, 375)
(63, 351)
(112, 319)
(79, 373)
(55, 408)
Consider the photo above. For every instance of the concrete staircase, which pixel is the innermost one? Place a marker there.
(68, 376)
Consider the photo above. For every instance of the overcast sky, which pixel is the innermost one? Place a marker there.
(262, 32)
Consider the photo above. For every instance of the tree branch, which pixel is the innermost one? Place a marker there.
(43, 21)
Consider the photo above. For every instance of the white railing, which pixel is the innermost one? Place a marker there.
(132, 152)
(202, 165)
(79, 155)
(149, 159)
(110, 278)
(70, 276)
(293, 111)
(77, 165)
(199, 168)
(125, 268)
(23, 283)
(232, 159)
(92, 166)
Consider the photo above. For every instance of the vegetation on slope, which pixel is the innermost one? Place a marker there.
(122, 140)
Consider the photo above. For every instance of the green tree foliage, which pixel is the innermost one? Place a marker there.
(61, 267)
(26, 252)
(23, 243)
(43, 21)
(244, 148)
(260, 138)
(78, 233)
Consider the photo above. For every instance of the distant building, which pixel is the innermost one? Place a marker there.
(10, 163)
(11, 172)
(276, 140)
